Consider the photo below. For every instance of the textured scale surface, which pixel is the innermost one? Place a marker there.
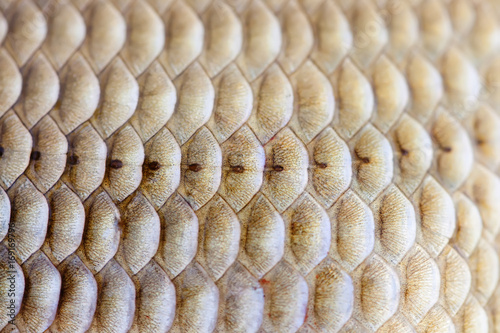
(249, 166)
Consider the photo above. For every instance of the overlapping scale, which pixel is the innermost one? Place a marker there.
(249, 166)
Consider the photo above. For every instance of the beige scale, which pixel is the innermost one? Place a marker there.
(193, 166)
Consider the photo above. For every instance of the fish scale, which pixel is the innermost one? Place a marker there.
(249, 166)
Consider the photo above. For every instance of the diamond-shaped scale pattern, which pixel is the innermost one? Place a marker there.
(249, 166)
